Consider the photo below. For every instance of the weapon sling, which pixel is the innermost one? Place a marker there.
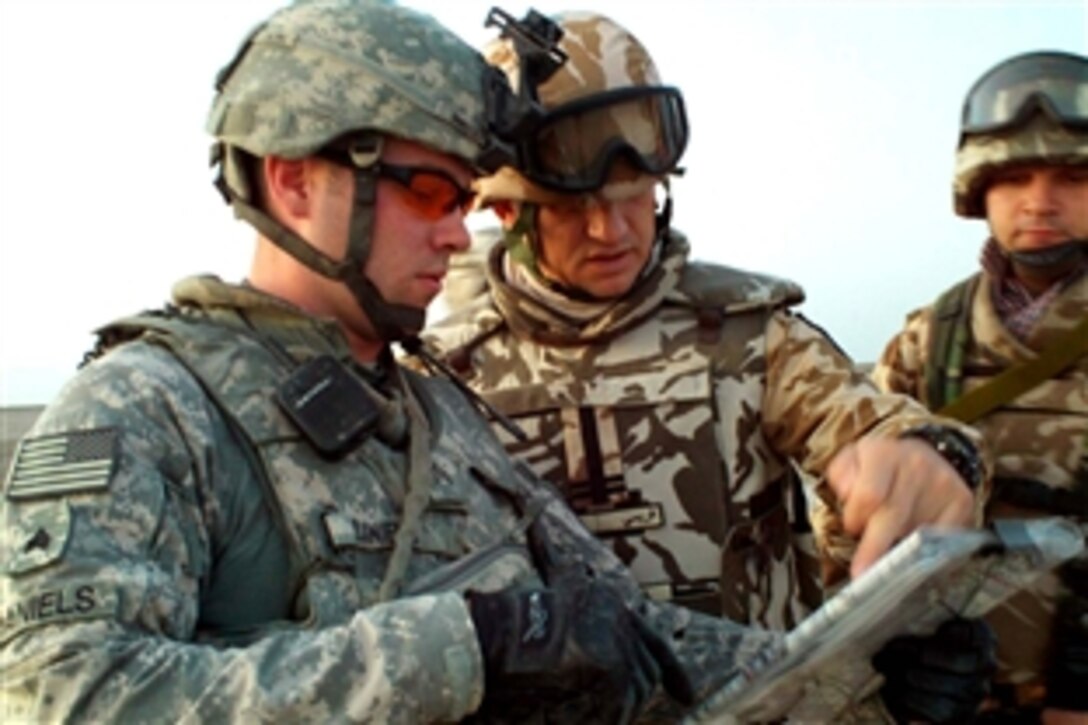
(1062, 351)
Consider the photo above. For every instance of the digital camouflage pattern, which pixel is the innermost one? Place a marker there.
(669, 420)
(226, 572)
(1039, 435)
(339, 66)
(348, 73)
(980, 156)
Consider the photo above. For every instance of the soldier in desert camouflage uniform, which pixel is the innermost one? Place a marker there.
(1022, 165)
(667, 398)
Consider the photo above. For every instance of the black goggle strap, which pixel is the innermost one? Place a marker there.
(619, 96)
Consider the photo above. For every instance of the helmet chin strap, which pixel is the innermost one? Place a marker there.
(391, 322)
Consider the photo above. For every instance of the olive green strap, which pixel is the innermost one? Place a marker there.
(950, 339)
(420, 482)
(1014, 381)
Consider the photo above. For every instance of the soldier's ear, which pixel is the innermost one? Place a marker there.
(506, 211)
(287, 184)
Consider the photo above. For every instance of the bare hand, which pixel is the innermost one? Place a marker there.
(888, 487)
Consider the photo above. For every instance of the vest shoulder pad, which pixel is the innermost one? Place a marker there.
(735, 290)
(455, 337)
(126, 329)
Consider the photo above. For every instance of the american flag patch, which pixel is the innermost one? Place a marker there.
(54, 465)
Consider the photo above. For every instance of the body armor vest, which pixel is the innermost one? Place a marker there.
(1039, 441)
(340, 517)
(653, 436)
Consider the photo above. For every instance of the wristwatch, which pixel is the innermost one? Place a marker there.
(955, 448)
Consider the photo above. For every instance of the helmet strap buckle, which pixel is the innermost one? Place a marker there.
(365, 149)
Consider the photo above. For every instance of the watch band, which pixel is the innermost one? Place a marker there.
(955, 448)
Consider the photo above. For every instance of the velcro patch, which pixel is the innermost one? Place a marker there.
(62, 464)
(37, 537)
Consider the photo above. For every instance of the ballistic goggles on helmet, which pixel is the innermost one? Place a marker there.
(572, 148)
(1008, 95)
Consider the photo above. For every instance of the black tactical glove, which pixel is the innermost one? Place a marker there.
(1067, 673)
(576, 638)
(941, 678)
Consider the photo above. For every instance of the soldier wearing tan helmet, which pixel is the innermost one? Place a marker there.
(669, 399)
(1007, 349)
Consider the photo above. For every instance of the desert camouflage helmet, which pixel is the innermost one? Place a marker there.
(1029, 108)
(606, 99)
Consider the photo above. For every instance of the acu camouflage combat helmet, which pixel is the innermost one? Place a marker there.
(320, 69)
(605, 102)
(348, 72)
(1029, 108)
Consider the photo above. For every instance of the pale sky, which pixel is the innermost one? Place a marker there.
(822, 145)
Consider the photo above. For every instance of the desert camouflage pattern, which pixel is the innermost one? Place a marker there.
(219, 570)
(669, 421)
(980, 156)
(318, 69)
(601, 56)
(1039, 435)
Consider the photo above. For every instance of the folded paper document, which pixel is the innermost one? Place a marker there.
(821, 667)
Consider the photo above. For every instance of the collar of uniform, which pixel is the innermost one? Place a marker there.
(300, 332)
(1016, 307)
(547, 315)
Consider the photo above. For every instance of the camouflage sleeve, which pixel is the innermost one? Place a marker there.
(103, 584)
(817, 401)
(901, 368)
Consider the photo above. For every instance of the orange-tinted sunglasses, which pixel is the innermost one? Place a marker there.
(431, 192)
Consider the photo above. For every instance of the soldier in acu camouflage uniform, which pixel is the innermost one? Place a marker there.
(1022, 165)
